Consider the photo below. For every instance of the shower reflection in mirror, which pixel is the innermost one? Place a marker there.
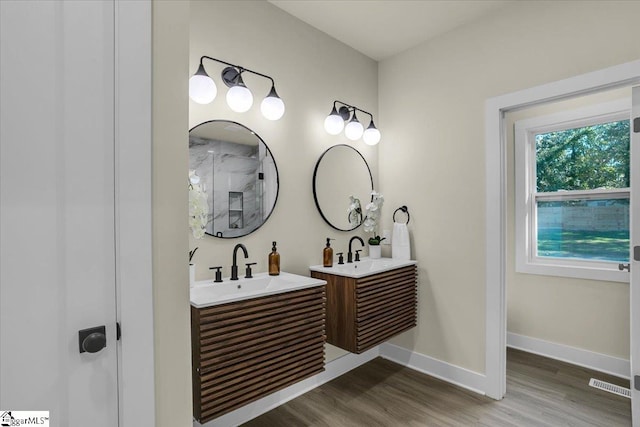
(239, 174)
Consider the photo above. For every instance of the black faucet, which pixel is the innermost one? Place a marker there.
(350, 254)
(234, 267)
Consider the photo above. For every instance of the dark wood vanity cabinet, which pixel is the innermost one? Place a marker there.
(364, 312)
(245, 350)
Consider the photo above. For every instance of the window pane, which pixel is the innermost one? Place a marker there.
(583, 158)
(584, 229)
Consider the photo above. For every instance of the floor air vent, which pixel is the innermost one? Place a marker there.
(611, 388)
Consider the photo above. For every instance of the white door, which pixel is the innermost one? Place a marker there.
(635, 257)
(57, 244)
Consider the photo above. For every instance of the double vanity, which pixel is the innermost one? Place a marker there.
(254, 336)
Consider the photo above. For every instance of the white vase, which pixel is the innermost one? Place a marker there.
(374, 251)
(192, 274)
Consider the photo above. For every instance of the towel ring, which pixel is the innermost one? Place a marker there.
(403, 209)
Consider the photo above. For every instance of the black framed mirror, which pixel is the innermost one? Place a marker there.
(239, 176)
(342, 186)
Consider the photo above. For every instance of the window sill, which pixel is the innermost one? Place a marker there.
(611, 274)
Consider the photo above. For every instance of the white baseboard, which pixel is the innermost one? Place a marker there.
(453, 374)
(333, 369)
(576, 356)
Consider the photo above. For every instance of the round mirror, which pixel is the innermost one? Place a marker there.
(342, 186)
(238, 174)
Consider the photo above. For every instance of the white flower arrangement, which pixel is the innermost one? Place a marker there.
(372, 214)
(198, 206)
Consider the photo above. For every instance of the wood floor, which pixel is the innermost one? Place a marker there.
(540, 392)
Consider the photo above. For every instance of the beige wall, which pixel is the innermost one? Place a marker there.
(170, 244)
(587, 314)
(432, 115)
(311, 70)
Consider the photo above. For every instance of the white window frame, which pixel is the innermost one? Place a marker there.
(525, 183)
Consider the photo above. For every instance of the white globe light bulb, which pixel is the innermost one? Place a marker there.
(239, 98)
(272, 106)
(371, 136)
(333, 124)
(202, 89)
(353, 130)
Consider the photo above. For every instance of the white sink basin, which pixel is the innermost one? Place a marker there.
(363, 268)
(207, 293)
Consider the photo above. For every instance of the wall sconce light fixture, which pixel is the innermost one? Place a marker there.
(335, 122)
(203, 90)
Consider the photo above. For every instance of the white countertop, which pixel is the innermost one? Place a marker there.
(207, 293)
(365, 267)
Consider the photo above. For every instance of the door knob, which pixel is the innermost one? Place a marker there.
(624, 267)
(92, 340)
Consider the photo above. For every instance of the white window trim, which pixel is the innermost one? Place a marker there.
(525, 130)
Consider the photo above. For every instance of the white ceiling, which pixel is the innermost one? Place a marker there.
(383, 28)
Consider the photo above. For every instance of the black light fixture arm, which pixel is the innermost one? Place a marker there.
(237, 67)
(351, 108)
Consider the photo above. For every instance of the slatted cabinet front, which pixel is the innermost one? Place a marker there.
(365, 312)
(245, 350)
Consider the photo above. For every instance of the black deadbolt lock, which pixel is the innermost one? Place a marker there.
(92, 340)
